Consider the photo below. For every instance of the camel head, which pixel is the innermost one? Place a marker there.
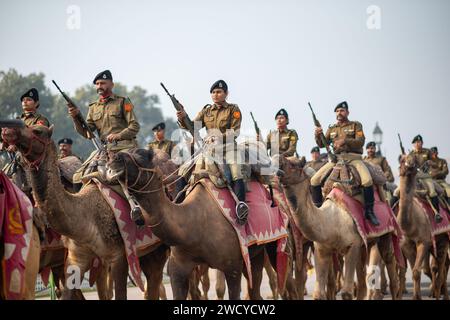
(292, 170)
(135, 168)
(408, 166)
(30, 141)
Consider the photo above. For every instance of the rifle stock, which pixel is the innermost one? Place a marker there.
(258, 132)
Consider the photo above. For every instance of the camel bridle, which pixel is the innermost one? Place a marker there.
(149, 172)
(36, 163)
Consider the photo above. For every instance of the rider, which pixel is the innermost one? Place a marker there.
(223, 122)
(348, 139)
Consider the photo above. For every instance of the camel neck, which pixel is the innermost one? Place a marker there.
(52, 198)
(407, 190)
(310, 218)
(169, 221)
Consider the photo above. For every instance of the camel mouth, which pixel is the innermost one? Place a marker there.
(113, 175)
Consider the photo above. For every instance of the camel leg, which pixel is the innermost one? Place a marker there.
(383, 279)
(361, 273)
(194, 279)
(442, 247)
(387, 254)
(402, 281)
(119, 270)
(205, 281)
(180, 268)
(152, 264)
(103, 291)
(58, 277)
(331, 284)
(301, 271)
(272, 277)
(162, 292)
(372, 278)
(415, 255)
(77, 263)
(322, 261)
(351, 258)
(257, 263)
(220, 284)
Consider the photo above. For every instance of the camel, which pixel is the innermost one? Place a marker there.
(196, 229)
(84, 218)
(333, 231)
(416, 227)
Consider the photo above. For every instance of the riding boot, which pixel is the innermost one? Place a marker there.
(241, 207)
(369, 201)
(179, 186)
(393, 201)
(435, 203)
(317, 197)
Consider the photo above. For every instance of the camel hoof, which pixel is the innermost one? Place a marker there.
(347, 296)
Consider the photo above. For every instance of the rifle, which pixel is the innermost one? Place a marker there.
(81, 121)
(186, 121)
(401, 144)
(331, 155)
(12, 123)
(258, 132)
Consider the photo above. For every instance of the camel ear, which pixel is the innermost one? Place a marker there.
(50, 131)
(302, 162)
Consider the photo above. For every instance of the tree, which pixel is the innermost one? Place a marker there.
(13, 85)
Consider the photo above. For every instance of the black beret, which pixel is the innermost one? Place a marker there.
(434, 149)
(282, 112)
(343, 104)
(417, 138)
(371, 144)
(65, 141)
(32, 93)
(219, 84)
(315, 149)
(159, 126)
(104, 75)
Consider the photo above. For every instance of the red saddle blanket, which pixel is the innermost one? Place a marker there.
(436, 228)
(134, 238)
(388, 223)
(16, 227)
(265, 223)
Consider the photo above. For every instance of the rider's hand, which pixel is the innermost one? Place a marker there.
(113, 137)
(73, 111)
(181, 114)
(11, 149)
(318, 131)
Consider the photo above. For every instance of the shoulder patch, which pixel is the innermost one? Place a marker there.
(359, 133)
(236, 114)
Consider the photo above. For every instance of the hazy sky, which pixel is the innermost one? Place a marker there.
(272, 54)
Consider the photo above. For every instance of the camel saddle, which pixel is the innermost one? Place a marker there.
(346, 178)
(68, 166)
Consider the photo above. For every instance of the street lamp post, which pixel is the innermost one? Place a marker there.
(378, 138)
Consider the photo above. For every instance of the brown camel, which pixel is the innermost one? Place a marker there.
(416, 227)
(333, 231)
(85, 218)
(196, 229)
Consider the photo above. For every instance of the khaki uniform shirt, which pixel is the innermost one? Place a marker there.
(286, 144)
(422, 156)
(439, 169)
(114, 115)
(221, 118)
(32, 119)
(382, 162)
(165, 145)
(353, 135)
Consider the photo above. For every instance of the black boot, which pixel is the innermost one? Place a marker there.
(435, 203)
(393, 201)
(369, 201)
(317, 197)
(179, 186)
(241, 207)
